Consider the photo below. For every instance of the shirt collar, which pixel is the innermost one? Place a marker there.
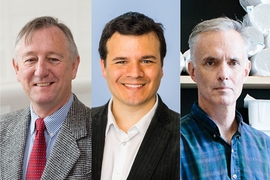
(239, 120)
(53, 122)
(205, 120)
(142, 125)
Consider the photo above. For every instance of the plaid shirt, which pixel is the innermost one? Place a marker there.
(204, 154)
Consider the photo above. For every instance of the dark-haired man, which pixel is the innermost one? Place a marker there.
(136, 136)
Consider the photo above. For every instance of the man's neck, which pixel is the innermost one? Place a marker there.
(47, 109)
(127, 116)
(224, 117)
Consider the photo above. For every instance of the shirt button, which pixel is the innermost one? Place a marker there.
(234, 176)
(215, 135)
(124, 143)
(232, 150)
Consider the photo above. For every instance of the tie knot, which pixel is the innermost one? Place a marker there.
(40, 125)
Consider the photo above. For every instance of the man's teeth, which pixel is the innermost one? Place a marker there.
(134, 86)
(43, 84)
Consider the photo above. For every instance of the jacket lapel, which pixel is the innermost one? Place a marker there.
(99, 122)
(66, 152)
(12, 147)
(63, 156)
(150, 152)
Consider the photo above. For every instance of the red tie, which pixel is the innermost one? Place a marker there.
(37, 159)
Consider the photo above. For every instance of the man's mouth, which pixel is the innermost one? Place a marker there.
(43, 84)
(134, 85)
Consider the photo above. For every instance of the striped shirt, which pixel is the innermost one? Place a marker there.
(204, 154)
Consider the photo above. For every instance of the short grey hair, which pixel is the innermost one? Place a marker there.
(46, 22)
(216, 24)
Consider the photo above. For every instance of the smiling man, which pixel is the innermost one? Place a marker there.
(215, 142)
(46, 61)
(135, 135)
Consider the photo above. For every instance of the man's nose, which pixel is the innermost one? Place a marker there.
(135, 70)
(41, 68)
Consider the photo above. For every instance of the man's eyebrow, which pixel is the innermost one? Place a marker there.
(28, 53)
(55, 53)
(143, 57)
(119, 58)
(148, 57)
(209, 58)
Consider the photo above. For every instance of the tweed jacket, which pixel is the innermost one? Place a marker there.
(72, 152)
(158, 155)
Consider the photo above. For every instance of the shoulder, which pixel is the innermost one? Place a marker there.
(174, 115)
(165, 112)
(186, 122)
(100, 111)
(14, 116)
(167, 119)
(99, 118)
(255, 135)
(9, 121)
(174, 119)
(79, 115)
(78, 107)
(186, 118)
(191, 130)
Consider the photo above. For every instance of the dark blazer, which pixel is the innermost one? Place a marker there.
(158, 156)
(70, 157)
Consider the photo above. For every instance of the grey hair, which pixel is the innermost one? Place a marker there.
(216, 24)
(46, 22)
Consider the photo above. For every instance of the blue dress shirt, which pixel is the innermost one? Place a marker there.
(53, 125)
(204, 154)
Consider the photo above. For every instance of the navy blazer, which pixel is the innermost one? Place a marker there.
(159, 154)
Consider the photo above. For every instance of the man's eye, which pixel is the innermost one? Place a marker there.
(210, 63)
(146, 61)
(29, 60)
(234, 63)
(120, 62)
(53, 59)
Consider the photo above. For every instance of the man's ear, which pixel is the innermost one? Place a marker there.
(191, 71)
(16, 69)
(247, 70)
(103, 68)
(75, 65)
